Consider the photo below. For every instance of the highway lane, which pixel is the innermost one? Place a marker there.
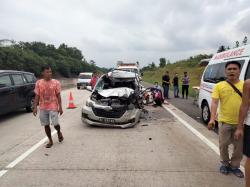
(159, 151)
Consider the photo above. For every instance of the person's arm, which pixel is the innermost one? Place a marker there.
(90, 82)
(163, 79)
(37, 97)
(168, 81)
(59, 99)
(243, 109)
(214, 107)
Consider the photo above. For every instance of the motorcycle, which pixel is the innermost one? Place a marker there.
(152, 95)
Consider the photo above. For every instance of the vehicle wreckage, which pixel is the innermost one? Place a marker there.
(116, 101)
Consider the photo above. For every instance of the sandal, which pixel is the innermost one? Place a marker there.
(60, 137)
(237, 172)
(224, 170)
(49, 145)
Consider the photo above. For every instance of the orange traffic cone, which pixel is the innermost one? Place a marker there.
(71, 102)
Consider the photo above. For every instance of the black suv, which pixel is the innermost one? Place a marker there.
(16, 90)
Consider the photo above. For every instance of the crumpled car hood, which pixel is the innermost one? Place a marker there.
(118, 92)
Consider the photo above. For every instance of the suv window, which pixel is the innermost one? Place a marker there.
(248, 71)
(216, 72)
(5, 79)
(18, 79)
(29, 78)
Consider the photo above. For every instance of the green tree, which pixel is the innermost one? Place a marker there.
(237, 44)
(244, 42)
(221, 48)
(162, 62)
(152, 65)
(64, 61)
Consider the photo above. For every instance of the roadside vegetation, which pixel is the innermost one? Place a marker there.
(65, 61)
(152, 73)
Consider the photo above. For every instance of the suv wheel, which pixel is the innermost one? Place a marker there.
(31, 105)
(205, 113)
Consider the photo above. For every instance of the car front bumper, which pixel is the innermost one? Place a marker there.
(129, 119)
(83, 84)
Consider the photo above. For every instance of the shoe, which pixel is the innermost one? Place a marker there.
(225, 169)
(237, 172)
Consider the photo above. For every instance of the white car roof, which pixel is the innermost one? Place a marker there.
(86, 73)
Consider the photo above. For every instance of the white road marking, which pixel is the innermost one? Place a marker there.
(197, 133)
(2, 172)
(24, 155)
(41, 142)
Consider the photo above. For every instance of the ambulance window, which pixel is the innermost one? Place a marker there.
(248, 71)
(211, 73)
(220, 76)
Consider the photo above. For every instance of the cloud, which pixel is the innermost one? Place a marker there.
(128, 30)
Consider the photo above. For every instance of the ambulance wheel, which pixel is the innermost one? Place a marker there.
(205, 112)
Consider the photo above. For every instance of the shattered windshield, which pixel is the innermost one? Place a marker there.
(106, 82)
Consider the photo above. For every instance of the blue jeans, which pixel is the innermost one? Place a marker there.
(176, 91)
(166, 90)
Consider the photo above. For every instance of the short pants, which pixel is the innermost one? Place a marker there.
(246, 141)
(48, 117)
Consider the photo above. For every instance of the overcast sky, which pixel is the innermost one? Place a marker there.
(129, 30)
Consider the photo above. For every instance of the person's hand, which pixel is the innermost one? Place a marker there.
(238, 133)
(211, 124)
(60, 110)
(35, 111)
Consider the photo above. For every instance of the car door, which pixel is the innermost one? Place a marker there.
(20, 89)
(7, 94)
(29, 86)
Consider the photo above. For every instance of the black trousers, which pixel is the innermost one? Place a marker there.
(185, 90)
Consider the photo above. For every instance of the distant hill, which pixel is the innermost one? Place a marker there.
(24, 56)
(190, 65)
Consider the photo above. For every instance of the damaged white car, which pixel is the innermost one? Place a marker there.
(116, 101)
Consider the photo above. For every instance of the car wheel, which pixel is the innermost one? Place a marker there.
(205, 113)
(78, 87)
(31, 105)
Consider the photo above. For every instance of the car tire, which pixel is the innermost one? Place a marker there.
(78, 87)
(30, 107)
(205, 112)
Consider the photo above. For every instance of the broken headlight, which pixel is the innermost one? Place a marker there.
(89, 103)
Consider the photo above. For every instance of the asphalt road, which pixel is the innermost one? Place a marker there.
(186, 105)
(159, 151)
